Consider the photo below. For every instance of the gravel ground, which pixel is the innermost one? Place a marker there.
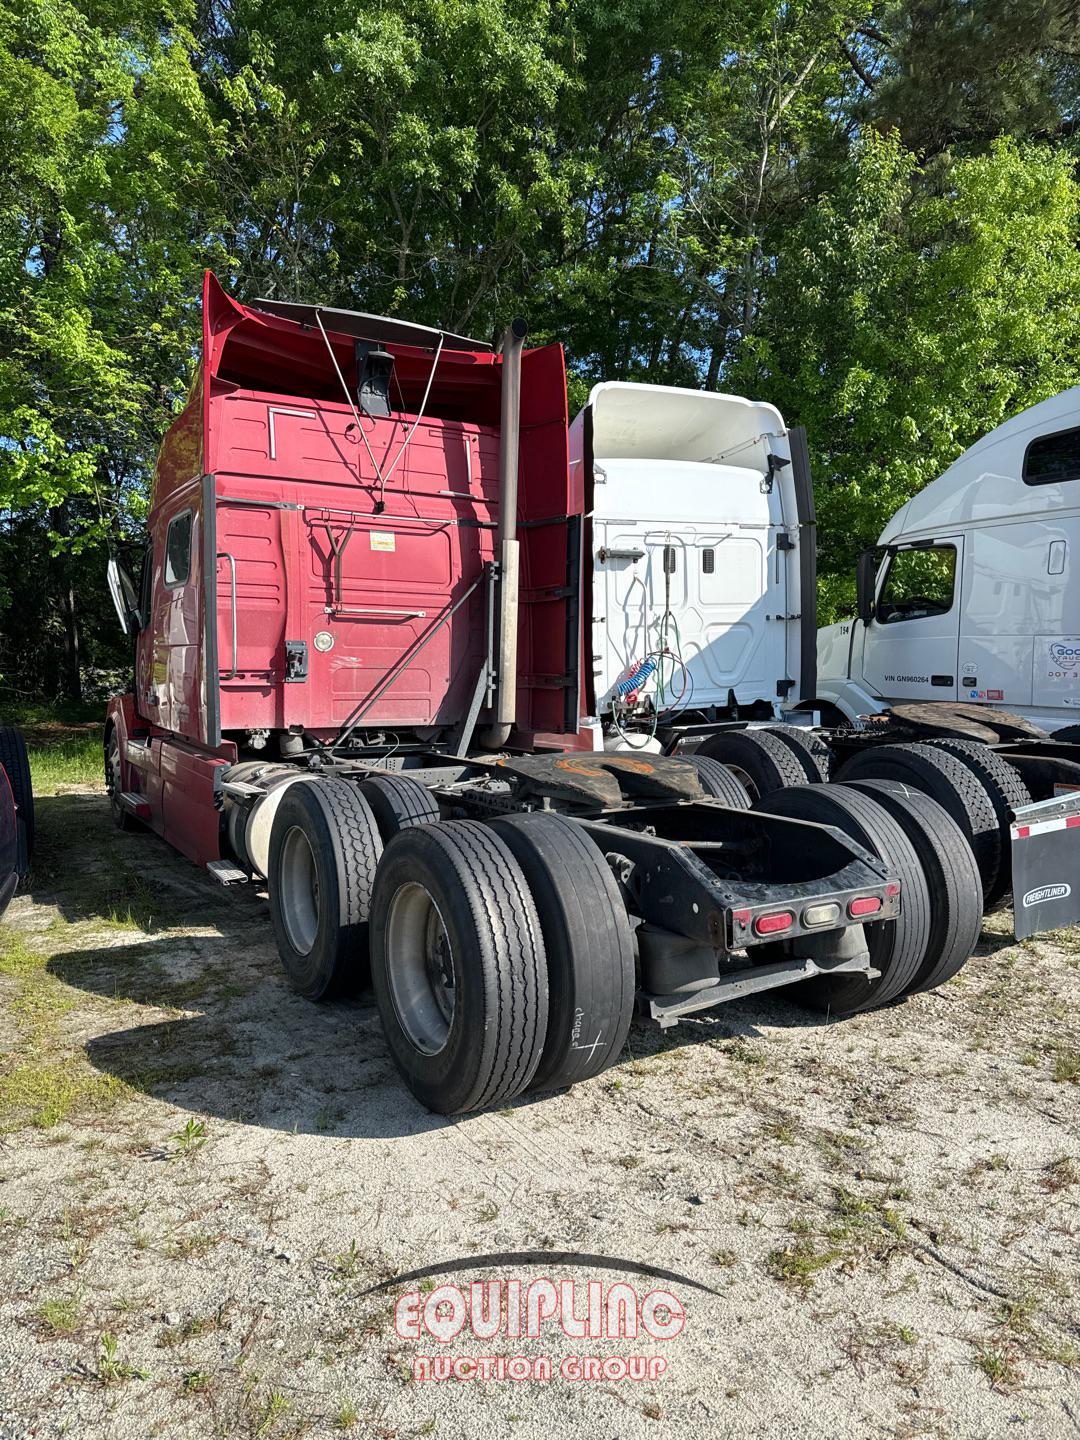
(201, 1175)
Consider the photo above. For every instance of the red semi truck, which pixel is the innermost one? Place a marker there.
(363, 675)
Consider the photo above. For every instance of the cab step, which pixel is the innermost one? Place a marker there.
(135, 804)
(226, 873)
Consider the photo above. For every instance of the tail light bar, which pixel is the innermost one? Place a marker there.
(752, 923)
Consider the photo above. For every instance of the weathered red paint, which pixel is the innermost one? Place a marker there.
(267, 458)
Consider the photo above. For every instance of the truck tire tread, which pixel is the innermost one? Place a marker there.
(897, 947)
(720, 783)
(810, 748)
(496, 938)
(398, 801)
(951, 875)
(347, 846)
(946, 779)
(16, 762)
(766, 761)
(588, 943)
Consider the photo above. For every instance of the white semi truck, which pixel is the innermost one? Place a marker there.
(701, 585)
(973, 591)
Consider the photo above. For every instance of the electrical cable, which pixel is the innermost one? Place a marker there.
(383, 476)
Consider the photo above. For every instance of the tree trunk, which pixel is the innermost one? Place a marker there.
(70, 672)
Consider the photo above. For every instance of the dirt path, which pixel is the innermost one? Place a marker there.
(202, 1173)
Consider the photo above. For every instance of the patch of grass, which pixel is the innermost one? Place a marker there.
(69, 760)
(998, 1368)
(17, 959)
(746, 1054)
(194, 1382)
(1066, 1069)
(60, 1316)
(193, 1246)
(347, 1416)
(782, 1131)
(112, 1370)
(190, 1329)
(43, 1092)
(798, 1264)
(1060, 1174)
(349, 1262)
(123, 901)
(273, 1411)
(190, 1140)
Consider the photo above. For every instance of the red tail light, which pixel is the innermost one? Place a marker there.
(774, 924)
(868, 905)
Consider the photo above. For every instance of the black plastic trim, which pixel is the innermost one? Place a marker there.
(211, 680)
(807, 516)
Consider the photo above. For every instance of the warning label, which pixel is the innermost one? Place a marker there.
(383, 540)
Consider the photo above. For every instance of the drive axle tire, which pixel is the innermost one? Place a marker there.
(14, 759)
(588, 943)
(810, 748)
(951, 876)
(897, 947)
(1007, 792)
(763, 762)
(121, 818)
(398, 801)
(324, 851)
(458, 966)
(720, 783)
(946, 779)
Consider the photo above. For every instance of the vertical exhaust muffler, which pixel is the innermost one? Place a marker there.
(504, 709)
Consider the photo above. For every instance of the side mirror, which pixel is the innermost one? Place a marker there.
(865, 575)
(123, 597)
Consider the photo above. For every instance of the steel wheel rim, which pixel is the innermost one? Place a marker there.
(740, 774)
(420, 968)
(299, 891)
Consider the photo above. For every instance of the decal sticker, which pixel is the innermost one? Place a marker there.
(1060, 658)
(1046, 892)
(383, 540)
(995, 694)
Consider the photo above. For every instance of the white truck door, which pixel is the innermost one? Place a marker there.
(910, 651)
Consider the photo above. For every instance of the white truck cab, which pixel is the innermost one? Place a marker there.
(973, 592)
(702, 540)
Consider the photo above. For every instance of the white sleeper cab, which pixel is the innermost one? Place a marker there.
(702, 539)
(973, 591)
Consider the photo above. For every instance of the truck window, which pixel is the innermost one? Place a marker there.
(919, 583)
(178, 549)
(1053, 458)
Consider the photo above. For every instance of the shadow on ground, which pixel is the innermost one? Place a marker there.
(240, 1045)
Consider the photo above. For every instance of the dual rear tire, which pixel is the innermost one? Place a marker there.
(940, 896)
(466, 929)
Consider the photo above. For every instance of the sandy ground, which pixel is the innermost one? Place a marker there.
(201, 1174)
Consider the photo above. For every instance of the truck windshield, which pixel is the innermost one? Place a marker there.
(918, 583)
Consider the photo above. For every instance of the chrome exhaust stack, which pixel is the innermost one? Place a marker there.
(504, 708)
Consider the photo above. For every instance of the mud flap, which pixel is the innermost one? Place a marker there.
(1045, 840)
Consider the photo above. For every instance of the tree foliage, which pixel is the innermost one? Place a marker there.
(865, 212)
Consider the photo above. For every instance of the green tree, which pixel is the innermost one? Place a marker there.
(909, 314)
